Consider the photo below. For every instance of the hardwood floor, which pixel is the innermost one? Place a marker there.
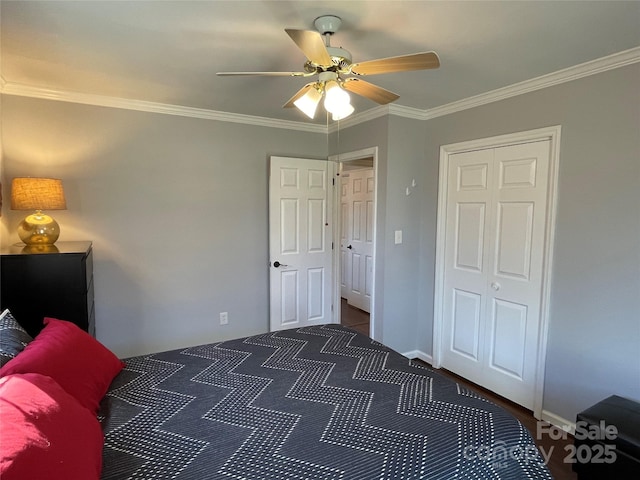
(354, 318)
(554, 449)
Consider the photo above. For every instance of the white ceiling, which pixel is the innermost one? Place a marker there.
(169, 51)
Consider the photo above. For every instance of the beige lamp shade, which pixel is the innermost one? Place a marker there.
(37, 194)
(28, 193)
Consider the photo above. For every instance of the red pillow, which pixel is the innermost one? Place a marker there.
(73, 358)
(45, 432)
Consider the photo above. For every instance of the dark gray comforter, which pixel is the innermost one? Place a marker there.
(312, 403)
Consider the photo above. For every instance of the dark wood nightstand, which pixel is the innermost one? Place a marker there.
(37, 282)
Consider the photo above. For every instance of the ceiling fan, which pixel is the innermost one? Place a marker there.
(337, 75)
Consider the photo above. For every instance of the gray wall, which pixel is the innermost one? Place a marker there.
(176, 208)
(402, 293)
(403, 312)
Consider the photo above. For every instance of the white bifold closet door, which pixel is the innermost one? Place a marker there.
(495, 231)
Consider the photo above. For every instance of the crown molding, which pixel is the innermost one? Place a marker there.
(407, 112)
(593, 67)
(611, 62)
(10, 88)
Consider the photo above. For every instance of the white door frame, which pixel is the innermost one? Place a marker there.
(371, 152)
(553, 135)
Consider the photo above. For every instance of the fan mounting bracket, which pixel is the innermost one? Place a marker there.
(327, 24)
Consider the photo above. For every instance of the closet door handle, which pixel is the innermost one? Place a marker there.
(349, 247)
(278, 264)
(495, 286)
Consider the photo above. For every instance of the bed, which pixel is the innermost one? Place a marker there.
(322, 402)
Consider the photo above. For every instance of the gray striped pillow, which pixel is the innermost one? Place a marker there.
(13, 338)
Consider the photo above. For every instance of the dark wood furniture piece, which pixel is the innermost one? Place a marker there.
(607, 440)
(38, 282)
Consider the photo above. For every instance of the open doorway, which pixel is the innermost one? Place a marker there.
(356, 239)
(354, 318)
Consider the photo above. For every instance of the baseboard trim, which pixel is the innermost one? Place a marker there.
(420, 355)
(558, 421)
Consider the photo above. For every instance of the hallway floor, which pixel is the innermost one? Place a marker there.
(354, 318)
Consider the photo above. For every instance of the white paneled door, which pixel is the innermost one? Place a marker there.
(300, 233)
(494, 260)
(357, 210)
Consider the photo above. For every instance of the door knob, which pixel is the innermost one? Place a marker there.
(495, 286)
(349, 247)
(278, 264)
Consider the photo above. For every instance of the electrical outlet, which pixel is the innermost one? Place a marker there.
(224, 318)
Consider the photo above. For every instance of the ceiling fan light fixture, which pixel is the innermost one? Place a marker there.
(343, 112)
(308, 103)
(335, 98)
(334, 68)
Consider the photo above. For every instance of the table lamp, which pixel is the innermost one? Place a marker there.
(38, 194)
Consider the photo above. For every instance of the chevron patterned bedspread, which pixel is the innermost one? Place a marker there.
(312, 403)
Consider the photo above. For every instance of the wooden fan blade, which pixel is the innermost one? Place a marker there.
(298, 94)
(311, 44)
(402, 63)
(268, 74)
(370, 91)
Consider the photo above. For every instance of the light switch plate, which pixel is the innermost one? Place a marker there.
(398, 237)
